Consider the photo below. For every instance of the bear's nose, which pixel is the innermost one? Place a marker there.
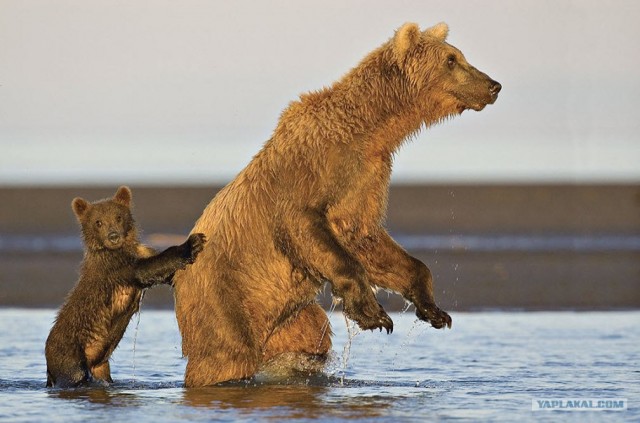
(113, 237)
(494, 88)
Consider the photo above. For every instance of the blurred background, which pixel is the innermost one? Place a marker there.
(534, 203)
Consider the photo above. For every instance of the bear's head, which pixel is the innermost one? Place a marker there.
(107, 223)
(438, 74)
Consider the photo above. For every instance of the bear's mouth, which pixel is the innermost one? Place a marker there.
(476, 107)
(471, 103)
(476, 99)
(475, 102)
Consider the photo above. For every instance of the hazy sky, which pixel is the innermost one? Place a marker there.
(156, 91)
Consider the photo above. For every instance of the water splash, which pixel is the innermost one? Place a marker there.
(327, 324)
(455, 282)
(135, 335)
(352, 332)
(452, 194)
(404, 344)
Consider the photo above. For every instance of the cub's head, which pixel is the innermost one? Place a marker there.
(107, 223)
(438, 74)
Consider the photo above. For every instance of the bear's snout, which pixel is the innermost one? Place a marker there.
(494, 88)
(113, 237)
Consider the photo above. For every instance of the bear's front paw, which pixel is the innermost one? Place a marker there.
(196, 245)
(368, 317)
(432, 314)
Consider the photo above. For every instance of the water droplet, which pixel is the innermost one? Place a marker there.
(352, 332)
(404, 343)
(135, 335)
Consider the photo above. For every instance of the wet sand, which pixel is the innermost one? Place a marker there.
(466, 277)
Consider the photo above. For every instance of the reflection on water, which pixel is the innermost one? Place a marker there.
(277, 402)
(239, 397)
(299, 399)
(103, 396)
(488, 367)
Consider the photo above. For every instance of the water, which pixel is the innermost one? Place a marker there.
(489, 367)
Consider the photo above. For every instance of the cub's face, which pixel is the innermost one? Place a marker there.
(107, 223)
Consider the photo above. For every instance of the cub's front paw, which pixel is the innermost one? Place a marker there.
(432, 314)
(196, 245)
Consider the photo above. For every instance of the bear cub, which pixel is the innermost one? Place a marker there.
(115, 270)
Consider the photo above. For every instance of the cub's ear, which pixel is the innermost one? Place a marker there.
(407, 36)
(439, 31)
(123, 196)
(80, 207)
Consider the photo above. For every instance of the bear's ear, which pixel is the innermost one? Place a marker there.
(123, 196)
(80, 207)
(407, 36)
(439, 31)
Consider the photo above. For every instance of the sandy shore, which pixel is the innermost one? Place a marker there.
(488, 246)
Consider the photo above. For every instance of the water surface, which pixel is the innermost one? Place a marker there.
(488, 367)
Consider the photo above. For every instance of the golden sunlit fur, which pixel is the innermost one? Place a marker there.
(310, 208)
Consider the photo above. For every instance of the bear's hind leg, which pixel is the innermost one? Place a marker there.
(214, 368)
(102, 371)
(70, 377)
(301, 345)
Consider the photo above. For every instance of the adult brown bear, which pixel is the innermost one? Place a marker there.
(309, 209)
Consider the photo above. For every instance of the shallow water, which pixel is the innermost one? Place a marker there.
(489, 367)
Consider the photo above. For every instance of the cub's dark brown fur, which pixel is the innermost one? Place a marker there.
(115, 270)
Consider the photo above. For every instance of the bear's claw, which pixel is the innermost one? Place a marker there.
(384, 322)
(381, 321)
(432, 314)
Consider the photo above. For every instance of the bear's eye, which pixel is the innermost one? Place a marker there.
(451, 61)
(99, 223)
(119, 219)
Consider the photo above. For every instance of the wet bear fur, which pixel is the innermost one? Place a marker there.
(115, 270)
(310, 208)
